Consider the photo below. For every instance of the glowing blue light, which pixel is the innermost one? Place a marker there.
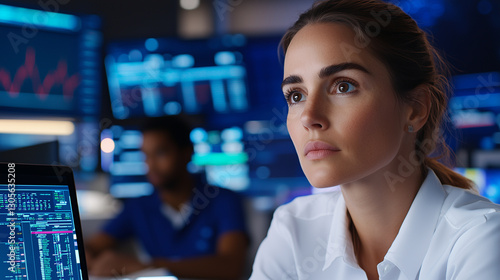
(224, 58)
(237, 91)
(492, 191)
(232, 147)
(135, 55)
(234, 177)
(132, 156)
(198, 135)
(183, 61)
(130, 139)
(425, 12)
(202, 148)
(232, 134)
(218, 95)
(37, 18)
(123, 190)
(154, 61)
(151, 44)
(172, 108)
(406, 7)
(128, 169)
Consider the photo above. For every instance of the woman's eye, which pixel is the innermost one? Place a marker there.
(296, 97)
(345, 87)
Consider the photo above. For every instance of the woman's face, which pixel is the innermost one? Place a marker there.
(344, 119)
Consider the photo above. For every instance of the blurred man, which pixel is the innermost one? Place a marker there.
(186, 226)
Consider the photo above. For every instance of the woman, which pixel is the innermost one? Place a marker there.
(366, 94)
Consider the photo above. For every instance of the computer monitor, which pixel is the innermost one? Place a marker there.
(40, 233)
(230, 75)
(475, 110)
(51, 63)
(169, 76)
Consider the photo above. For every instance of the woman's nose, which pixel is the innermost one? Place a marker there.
(315, 112)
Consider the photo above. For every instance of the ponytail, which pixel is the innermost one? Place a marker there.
(449, 177)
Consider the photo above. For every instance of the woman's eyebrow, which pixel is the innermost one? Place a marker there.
(293, 79)
(325, 72)
(332, 69)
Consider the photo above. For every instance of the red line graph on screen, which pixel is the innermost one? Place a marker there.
(42, 88)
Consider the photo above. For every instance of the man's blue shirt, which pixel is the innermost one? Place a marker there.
(215, 211)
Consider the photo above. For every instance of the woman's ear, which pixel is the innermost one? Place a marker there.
(419, 107)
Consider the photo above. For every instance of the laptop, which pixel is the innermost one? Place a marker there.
(40, 233)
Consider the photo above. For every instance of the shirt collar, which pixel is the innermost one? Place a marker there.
(339, 239)
(410, 246)
(412, 242)
(178, 218)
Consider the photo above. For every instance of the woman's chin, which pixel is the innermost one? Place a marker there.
(322, 180)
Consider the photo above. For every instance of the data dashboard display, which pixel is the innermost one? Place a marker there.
(37, 234)
(475, 110)
(157, 77)
(50, 63)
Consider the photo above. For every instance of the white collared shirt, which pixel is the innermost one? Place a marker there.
(448, 233)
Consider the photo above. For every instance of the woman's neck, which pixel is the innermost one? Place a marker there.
(377, 206)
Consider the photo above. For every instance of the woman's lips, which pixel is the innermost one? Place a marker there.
(318, 150)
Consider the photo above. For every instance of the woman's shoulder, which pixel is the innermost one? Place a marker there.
(463, 208)
(474, 224)
(310, 206)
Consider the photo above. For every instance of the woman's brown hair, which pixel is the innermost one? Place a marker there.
(395, 38)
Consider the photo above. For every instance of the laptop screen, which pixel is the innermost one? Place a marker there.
(40, 234)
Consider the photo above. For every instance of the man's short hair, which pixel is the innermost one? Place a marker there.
(176, 127)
